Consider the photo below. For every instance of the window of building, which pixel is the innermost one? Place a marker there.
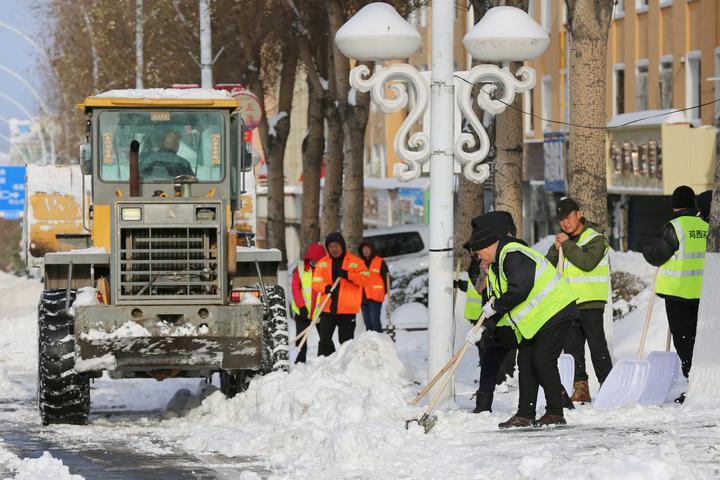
(531, 8)
(546, 14)
(641, 6)
(641, 86)
(666, 83)
(692, 83)
(528, 100)
(619, 89)
(619, 9)
(546, 98)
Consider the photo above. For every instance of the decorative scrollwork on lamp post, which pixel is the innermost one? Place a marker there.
(471, 153)
(413, 149)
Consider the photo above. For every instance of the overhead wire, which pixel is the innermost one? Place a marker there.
(578, 125)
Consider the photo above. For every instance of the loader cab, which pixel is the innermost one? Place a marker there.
(201, 141)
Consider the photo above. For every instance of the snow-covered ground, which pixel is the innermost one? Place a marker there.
(344, 416)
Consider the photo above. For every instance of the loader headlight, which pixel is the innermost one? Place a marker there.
(130, 214)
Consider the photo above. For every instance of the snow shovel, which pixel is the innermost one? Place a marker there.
(427, 420)
(566, 366)
(628, 378)
(664, 371)
(455, 359)
(306, 333)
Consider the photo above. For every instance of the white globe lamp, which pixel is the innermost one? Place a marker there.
(377, 32)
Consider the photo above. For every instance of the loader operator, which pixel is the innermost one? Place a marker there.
(304, 300)
(587, 269)
(166, 159)
(539, 305)
(679, 254)
(345, 301)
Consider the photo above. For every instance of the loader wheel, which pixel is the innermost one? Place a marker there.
(275, 332)
(63, 394)
(233, 382)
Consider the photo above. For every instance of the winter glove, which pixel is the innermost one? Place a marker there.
(473, 336)
(488, 308)
(461, 284)
(328, 289)
(304, 315)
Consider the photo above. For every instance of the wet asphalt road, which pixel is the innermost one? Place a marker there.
(110, 458)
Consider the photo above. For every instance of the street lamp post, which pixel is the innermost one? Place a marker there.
(378, 33)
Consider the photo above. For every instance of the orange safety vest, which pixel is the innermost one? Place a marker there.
(350, 291)
(375, 289)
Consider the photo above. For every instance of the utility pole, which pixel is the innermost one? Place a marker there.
(139, 60)
(206, 60)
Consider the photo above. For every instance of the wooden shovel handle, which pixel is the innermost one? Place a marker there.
(306, 332)
(453, 365)
(561, 261)
(646, 325)
(667, 340)
(448, 365)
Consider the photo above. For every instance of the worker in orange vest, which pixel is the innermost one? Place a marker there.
(374, 292)
(344, 305)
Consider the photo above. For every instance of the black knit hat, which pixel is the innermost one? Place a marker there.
(683, 197)
(565, 207)
(703, 201)
(481, 238)
(499, 221)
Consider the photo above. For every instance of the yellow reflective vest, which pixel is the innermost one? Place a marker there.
(306, 279)
(589, 286)
(549, 295)
(682, 275)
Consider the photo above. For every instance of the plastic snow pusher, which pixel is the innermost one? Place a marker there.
(664, 371)
(628, 378)
(427, 420)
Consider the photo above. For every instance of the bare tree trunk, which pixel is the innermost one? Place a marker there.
(589, 24)
(508, 161)
(313, 149)
(470, 203)
(353, 185)
(713, 242)
(276, 153)
(330, 220)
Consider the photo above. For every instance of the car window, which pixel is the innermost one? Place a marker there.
(394, 244)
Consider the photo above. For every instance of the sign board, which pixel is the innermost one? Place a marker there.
(12, 192)
(554, 156)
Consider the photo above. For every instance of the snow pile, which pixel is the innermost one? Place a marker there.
(85, 296)
(42, 468)
(174, 93)
(330, 412)
(128, 329)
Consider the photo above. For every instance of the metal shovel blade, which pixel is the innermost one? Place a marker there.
(566, 367)
(625, 384)
(664, 370)
(426, 421)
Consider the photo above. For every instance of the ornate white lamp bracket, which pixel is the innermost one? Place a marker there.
(467, 152)
(413, 150)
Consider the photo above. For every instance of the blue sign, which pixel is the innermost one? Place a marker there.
(12, 192)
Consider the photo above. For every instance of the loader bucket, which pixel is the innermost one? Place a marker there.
(566, 365)
(625, 384)
(664, 370)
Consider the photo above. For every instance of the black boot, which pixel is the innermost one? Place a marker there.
(566, 402)
(483, 402)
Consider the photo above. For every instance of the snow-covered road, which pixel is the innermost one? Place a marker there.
(338, 417)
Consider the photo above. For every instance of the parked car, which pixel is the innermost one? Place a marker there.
(405, 248)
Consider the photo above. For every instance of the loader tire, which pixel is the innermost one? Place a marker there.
(63, 394)
(275, 332)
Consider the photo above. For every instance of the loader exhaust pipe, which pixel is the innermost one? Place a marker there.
(134, 169)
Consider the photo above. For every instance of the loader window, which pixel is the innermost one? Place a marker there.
(172, 143)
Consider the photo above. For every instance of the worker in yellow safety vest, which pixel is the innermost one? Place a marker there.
(679, 254)
(586, 266)
(539, 305)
